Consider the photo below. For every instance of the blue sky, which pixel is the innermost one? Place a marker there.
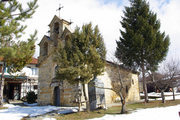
(106, 16)
(119, 2)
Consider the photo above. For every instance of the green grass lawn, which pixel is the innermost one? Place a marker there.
(115, 110)
(3, 108)
(112, 110)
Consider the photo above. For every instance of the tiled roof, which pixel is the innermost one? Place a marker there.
(48, 37)
(34, 61)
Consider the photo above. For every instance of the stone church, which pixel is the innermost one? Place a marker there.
(61, 93)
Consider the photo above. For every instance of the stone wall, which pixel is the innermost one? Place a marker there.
(134, 94)
(68, 92)
(45, 92)
(110, 77)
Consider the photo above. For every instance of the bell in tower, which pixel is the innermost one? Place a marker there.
(57, 28)
(55, 33)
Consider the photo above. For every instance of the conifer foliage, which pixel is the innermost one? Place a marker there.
(141, 40)
(82, 57)
(15, 53)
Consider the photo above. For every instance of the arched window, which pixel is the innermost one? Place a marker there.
(56, 28)
(67, 37)
(56, 33)
(45, 50)
(55, 70)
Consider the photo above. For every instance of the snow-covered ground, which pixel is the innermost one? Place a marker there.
(165, 113)
(168, 95)
(16, 112)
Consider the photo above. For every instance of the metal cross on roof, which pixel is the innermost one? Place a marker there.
(70, 23)
(59, 9)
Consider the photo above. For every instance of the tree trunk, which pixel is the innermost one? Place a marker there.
(144, 85)
(173, 94)
(79, 103)
(123, 102)
(162, 96)
(2, 85)
(87, 101)
(123, 108)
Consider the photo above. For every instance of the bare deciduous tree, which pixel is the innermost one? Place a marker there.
(121, 81)
(120, 87)
(167, 77)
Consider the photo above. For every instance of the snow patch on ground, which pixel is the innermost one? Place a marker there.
(19, 112)
(33, 104)
(164, 113)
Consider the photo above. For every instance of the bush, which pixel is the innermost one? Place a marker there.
(31, 97)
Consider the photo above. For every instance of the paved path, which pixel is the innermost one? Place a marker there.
(17, 102)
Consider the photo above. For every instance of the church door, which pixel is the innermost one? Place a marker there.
(57, 96)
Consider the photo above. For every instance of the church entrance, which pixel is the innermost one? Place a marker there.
(57, 96)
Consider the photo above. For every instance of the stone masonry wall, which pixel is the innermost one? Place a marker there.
(45, 92)
(68, 92)
(134, 94)
(111, 75)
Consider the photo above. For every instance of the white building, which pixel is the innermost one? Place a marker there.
(16, 85)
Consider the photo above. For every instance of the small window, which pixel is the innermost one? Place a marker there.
(55, 69)
(35, 87)
(132, 82)
(32, 69)
(126, 89)
(67, 38)
(45, 50)
(35, 71)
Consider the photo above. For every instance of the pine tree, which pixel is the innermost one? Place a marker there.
(82, 57)
(141, 41)
(15, 53)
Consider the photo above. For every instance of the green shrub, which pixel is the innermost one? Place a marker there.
(31, 97)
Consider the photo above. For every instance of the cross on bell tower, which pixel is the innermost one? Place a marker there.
(59, 9)
(70, 23)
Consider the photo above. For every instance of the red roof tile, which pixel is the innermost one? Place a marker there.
(34, 61)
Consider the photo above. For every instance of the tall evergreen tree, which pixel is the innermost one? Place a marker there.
(142, 42)
(82, 57)
(14, 53)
